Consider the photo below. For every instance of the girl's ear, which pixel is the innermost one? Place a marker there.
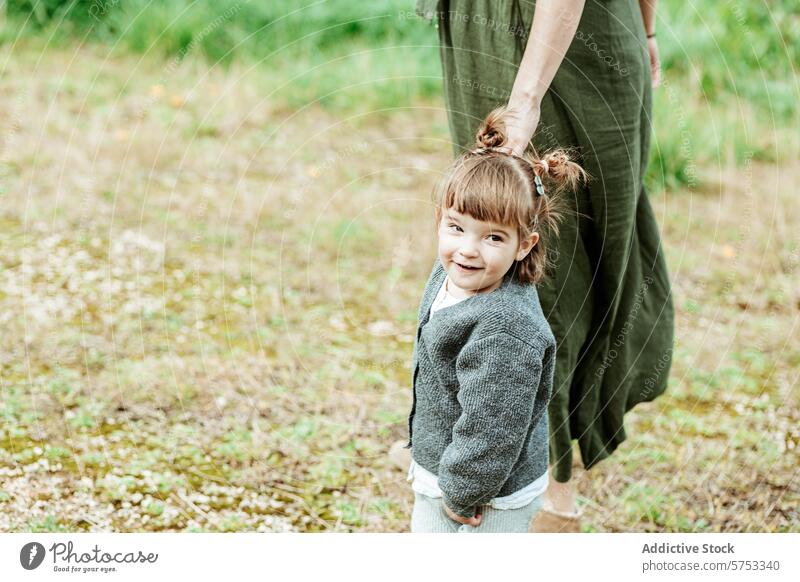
(526, 245)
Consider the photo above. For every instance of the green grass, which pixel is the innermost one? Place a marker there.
(730, 91)
(342, 55)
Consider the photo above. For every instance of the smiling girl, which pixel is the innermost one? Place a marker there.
(484, 354)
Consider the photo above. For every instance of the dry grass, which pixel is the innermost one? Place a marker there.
(208, 306)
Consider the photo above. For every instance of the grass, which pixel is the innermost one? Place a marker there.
(209, 290)
(730, 87)
(342, 55)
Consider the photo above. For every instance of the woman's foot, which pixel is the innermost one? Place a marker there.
(560, 497)
(400, 456)
(559, 513)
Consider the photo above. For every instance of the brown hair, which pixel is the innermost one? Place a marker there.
(490, 184)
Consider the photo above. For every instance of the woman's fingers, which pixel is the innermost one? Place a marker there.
(520, 130)
(655, 62)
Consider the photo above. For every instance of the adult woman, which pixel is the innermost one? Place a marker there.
(579, 71)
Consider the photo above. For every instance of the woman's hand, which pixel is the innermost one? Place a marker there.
(473, 521)
(521, 125)
(655, 63)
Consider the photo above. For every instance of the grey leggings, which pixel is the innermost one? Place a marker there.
(429, 516)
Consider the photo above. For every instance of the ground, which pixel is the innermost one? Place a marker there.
(209, 300)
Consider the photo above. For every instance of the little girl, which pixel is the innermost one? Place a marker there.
(484, 354)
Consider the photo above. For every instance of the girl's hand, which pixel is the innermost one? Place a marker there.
(473, 521)
(655, 63)
(521, 125)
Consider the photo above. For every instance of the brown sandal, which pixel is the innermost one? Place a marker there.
(552, 521)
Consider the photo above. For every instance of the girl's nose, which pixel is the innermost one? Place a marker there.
(469, 252)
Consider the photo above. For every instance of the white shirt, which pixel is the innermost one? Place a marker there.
(426, 483)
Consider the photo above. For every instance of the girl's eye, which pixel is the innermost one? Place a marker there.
(451, 225)
(496, 238)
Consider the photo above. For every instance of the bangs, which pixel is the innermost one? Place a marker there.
(491, 190)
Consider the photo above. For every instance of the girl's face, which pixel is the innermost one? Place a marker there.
(475, 254)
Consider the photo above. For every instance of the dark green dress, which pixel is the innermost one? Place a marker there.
(608, 298)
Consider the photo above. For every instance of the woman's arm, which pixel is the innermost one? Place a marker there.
(648, 9)
(552, 31)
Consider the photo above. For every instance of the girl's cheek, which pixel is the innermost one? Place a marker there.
(491, 249)
(449, 240)
(496, 253)
(446, 244)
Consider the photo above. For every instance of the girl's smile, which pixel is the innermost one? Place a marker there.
(467, 269)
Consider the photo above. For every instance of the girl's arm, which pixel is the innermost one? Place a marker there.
(552, 31)
(502, 395)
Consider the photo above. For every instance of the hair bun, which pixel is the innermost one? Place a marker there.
(562, 170)
(558, 163)
(492, 132)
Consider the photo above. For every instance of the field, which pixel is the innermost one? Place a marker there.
(209, 277)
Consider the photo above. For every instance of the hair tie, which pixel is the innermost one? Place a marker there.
(546, 165)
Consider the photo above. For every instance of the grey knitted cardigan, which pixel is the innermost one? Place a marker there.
(483, 375)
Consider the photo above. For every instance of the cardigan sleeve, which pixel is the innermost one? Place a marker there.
(501, 396)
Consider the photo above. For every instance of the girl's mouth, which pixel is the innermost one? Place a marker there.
(467, 268)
